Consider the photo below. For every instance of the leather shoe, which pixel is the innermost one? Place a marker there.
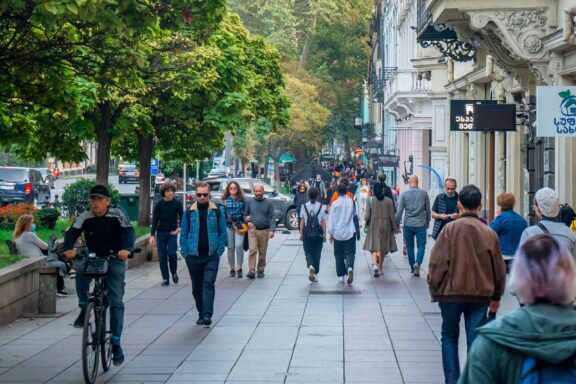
(200, 321)
(79, 322)
(117, 355)
(165, 283)
(175, 278)
(207, 321)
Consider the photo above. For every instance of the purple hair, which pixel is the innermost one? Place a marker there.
(544, 271)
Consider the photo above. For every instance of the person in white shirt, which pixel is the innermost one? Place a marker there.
(343, 234)
(361, 196)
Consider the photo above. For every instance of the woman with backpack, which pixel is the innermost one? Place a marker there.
(381, 223)
(312, 232)
(535, 343)
(234, 203)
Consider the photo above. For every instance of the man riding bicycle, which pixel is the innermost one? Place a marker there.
(106, 229)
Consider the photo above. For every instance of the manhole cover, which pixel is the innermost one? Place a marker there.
(335, 292)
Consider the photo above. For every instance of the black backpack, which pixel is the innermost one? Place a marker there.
(566, 215)
(313, 229)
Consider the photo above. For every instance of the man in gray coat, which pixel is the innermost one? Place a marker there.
(416, 204)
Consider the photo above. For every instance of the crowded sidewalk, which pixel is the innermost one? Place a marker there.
(278, 329)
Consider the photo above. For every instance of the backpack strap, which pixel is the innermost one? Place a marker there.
(306, 210)
(317, 213)
(543, 228)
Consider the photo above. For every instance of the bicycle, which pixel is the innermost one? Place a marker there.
(96, 335)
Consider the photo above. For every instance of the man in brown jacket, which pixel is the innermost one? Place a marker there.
(466, 275)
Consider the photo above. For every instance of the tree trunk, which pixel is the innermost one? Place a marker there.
(104, 138)
(277, 175)
(144, 156)
(243, 162)
(346, 140)
(307, 45)
(265, 176)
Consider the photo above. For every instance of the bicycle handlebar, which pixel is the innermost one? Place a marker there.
(85, 254)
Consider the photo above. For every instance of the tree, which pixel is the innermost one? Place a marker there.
(72, 67)
(196, 92)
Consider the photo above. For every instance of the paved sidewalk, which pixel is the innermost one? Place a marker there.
(280, 329)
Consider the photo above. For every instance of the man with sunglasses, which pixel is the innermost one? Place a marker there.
(202, 242)
(106, 228)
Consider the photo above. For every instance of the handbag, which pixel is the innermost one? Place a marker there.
(242, 229)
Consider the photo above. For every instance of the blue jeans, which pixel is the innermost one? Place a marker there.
(203, 271)
(167, 245)
(345, 253)
(115, 281)
(475, 315)
(420, 233)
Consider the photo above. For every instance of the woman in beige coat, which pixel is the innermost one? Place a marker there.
(382, 226)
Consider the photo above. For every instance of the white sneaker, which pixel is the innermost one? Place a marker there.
(340, 279)
(350, 276)
(315, 278)
(311, 273)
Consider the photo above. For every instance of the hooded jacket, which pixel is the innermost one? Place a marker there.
(542, 331)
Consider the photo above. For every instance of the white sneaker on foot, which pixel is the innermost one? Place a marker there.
(315, 278)
(416, 269)
(340, 279)
(311, 273)
(350, 276)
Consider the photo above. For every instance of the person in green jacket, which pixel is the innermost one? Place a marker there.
(544, 277)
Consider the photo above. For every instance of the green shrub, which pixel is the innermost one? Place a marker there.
(76, 196)
(47, 217)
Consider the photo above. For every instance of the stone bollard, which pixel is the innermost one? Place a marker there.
(47, 290)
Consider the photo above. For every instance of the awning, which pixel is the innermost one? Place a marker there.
(283, 159)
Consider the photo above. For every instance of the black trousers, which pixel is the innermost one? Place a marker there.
(203, 271)
(313, 251)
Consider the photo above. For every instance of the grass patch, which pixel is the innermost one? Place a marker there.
(140, 230)
(44, 234)
(7, 260)
(61, 225)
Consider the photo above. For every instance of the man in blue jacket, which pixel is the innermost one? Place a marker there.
(202, 242)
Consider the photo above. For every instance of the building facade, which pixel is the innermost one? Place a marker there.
(486, 50)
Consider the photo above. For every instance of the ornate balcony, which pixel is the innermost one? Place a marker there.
(512, 30)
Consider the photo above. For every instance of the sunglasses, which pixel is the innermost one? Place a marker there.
(202, 194)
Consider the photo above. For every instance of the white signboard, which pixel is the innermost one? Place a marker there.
(556, 111)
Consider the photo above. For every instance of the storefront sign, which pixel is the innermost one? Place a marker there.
(462, 114)
(556, 111)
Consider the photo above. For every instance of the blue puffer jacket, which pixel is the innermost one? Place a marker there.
(217, 235)
(509, 226)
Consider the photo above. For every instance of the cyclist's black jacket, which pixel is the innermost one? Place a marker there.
(111, 232)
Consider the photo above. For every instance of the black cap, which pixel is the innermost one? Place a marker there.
(100, 191)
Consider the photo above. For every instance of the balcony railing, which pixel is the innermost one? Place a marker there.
(424, 17)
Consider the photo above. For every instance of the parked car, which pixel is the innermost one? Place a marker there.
(128, 173)
(284, 207)
(47, 176)
(160, 179)
(23, 185)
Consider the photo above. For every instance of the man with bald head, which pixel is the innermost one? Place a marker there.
(259, 214)
(415, 204)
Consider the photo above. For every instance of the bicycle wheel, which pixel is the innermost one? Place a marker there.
(106, 337)
(90, 344)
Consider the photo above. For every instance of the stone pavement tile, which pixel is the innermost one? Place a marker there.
(139, 306)
(130, 370)
(154, 361)
(197, 378)
(416, 345)
(418, 368)
(320, 320)
(368, 343)
(37, 374)
(370, 356)
(312, 374)
(266, 337)
(396, 335)
(311, 355)
(384, 372)
(12, 355)
(151, 378)
(419, 356)
(234, 320)
(282, 319)
(203, 366)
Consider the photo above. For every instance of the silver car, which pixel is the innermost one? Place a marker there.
(284, 206)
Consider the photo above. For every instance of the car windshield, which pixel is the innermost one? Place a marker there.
(12, 174)
(129, 168)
